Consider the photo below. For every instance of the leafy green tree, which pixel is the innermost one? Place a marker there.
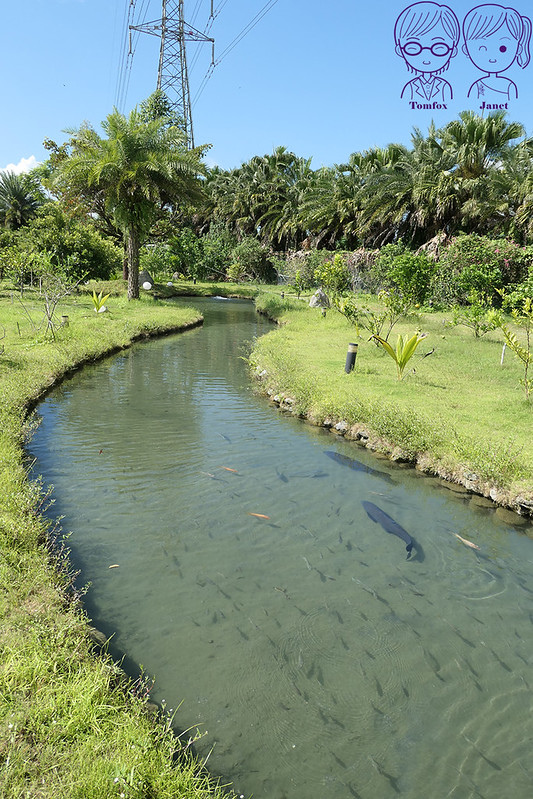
(139, 168)
(73, 246)
(158, 106)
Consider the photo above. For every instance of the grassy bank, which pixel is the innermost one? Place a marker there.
(458, 410)
(70, 723)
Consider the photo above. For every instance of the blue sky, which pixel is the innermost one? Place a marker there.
(320, 78)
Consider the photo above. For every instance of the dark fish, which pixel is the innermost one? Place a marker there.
(357, 465)
(282, 477)
(338, 761)
(393, 781)
(502, 663)
(388, 524)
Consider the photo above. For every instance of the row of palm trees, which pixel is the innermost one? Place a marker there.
(473, 174)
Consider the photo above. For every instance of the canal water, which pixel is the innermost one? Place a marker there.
(250, 582)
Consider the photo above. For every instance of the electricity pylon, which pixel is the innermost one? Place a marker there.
(172, 74)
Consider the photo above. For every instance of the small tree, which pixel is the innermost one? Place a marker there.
(524, 318)
(477, 315)
(333, 276)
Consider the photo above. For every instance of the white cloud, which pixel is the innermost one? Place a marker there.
(24, 165)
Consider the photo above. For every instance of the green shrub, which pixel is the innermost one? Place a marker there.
(333, 276)
(299, 268)
(519, 293)
(75, 247)
(476, 315)
(217, 255)
(187, 253)
(158, 260)
(252, 260)
(412, 275)
(473, 263)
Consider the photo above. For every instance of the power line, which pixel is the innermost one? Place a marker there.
(244, 32)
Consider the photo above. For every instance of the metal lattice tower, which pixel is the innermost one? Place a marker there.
(172, 74)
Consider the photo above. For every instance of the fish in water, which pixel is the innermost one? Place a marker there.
(357, 465)
(389, 525)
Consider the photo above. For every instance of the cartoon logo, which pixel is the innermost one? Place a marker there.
(427, 36)
(495, 37)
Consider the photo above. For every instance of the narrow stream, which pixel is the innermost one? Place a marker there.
(253, 586)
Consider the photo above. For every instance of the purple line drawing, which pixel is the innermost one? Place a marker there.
(427, 36)
(495, 37)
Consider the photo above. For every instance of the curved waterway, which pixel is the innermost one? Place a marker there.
(254, 586)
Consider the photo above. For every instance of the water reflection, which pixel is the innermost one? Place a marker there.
(256, 590)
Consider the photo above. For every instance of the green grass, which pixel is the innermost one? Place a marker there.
(458, 407)
(71, 724)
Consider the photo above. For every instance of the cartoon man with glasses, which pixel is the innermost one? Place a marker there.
(426, 36)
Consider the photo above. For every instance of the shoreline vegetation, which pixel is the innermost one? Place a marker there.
(72, 724)
(459, 413)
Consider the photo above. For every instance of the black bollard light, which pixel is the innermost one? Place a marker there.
(350, 358)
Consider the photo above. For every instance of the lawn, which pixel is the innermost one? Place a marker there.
(458, 409)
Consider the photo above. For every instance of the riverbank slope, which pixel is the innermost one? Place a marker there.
(460, 411)
(71, 724)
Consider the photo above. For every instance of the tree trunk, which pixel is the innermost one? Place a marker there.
(133, 263)
(125, 269)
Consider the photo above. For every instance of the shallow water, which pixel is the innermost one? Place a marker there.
(318, 659)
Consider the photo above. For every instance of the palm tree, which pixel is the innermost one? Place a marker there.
(139, 168)
(17, 203)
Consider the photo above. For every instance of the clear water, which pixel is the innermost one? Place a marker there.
(317, 658)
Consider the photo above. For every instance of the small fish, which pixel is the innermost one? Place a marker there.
(466, 542)
(502, 663)
(227, 469)
(338, 761)
(393, 781)
(259, 515)
(282, 477)
(114, 566)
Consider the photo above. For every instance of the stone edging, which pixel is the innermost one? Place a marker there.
(460, 480)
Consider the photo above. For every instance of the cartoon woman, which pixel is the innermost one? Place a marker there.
(496, 37)
(426, 36)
